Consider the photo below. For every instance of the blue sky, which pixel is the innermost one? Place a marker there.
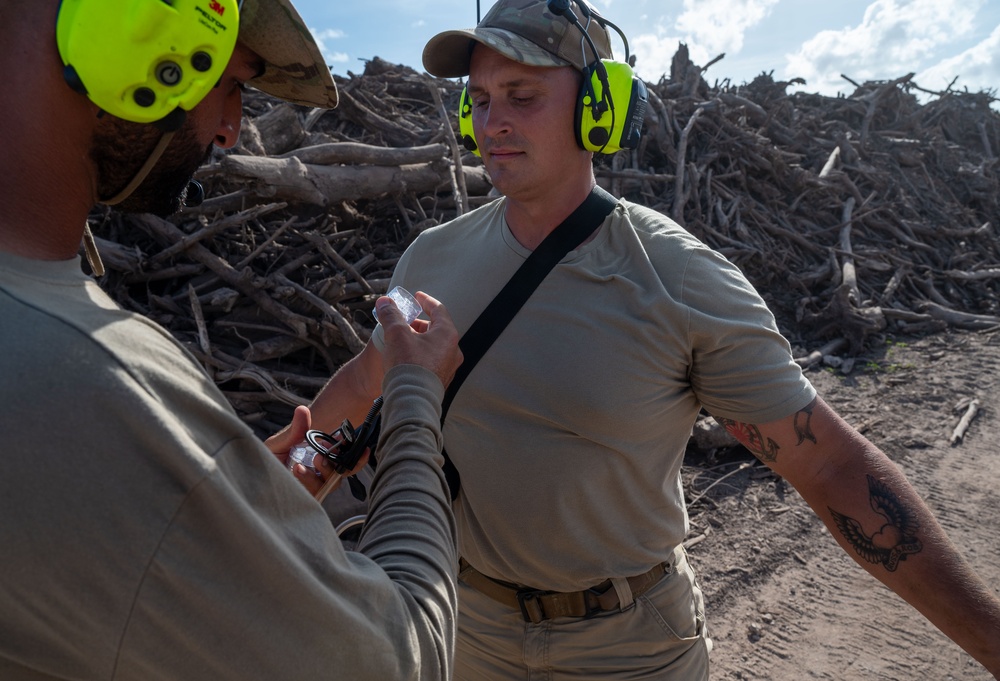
(812, 39)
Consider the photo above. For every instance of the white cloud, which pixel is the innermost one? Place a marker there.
(894, 38)
(719, 25)
(329, 34)
(653, 54)
(977, 68)
(708, 28)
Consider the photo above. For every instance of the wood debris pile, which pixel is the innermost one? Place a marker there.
(854, 216)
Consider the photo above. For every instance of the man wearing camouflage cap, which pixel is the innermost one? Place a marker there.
(146, 533)
(570, 432)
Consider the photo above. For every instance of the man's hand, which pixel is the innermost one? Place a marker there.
(291, 435)
(431, 344)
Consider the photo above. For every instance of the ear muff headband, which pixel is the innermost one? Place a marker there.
(141, 60)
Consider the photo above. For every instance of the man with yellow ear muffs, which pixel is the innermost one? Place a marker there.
(566, 425)
(611, 103)
(146, 532)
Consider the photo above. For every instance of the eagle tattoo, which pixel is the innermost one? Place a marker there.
(892, 542)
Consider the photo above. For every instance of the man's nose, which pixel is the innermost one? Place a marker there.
(495, 119)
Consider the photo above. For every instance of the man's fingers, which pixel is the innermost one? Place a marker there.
(431, 344)
(438, 314)
(281, 442)
(301, 423)
(307, 477)
(387, 311)
(431, 305)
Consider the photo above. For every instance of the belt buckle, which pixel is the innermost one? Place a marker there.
(582, 604)
(531, 607)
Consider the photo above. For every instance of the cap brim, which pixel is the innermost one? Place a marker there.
(294, 70)
(447, 55)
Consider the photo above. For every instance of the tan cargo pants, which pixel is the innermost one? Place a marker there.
(659, 635)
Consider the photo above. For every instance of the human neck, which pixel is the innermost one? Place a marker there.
(531, 219)
(48, 184)
(42, 214)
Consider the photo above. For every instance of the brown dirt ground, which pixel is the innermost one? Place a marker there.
(784, 601)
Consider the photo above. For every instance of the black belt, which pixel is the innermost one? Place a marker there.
(537, 605)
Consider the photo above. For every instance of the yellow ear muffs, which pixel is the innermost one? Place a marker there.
(611, 107)
(142, 60)
(601, 125)
(468, 137)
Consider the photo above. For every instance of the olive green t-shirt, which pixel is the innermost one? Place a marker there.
(570, 432)
(146, 533)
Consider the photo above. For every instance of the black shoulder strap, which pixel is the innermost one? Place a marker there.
(570, 233)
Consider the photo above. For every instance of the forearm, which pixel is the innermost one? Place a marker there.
(349, 393)
(882, 523)
(880, 520)
(410, 529)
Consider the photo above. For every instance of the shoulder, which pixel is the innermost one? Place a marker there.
(651, 236)
(127, 369)
(652, 224)
(467, 236)
(480, 218)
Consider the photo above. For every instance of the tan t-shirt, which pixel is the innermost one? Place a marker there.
(146, 533)
(570, 432)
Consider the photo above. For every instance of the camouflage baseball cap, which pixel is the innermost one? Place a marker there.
(523, 30)
(294, 68)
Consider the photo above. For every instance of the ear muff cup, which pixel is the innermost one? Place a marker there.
(468, 137)
(611, 108)
(141, 60)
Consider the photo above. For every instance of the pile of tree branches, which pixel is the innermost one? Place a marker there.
(854, 216)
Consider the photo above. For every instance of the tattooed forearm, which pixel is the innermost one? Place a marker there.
(803, 431)
(750, 437)
(894, 540)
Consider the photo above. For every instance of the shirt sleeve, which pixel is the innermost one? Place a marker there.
(251, 581)
(741, 366)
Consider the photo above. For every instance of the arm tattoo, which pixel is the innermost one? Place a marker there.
(892, 542)
(750, 437)
(803, 431)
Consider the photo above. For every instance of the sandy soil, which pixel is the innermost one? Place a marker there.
(784, 601)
